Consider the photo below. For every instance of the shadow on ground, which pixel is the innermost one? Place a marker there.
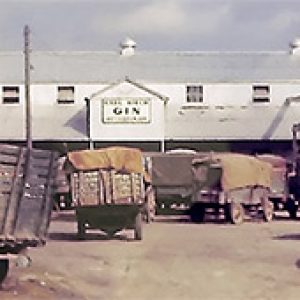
(298, 263)
(290, 237)
(90, 236)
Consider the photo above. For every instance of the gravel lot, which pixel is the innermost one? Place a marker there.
(175, 260)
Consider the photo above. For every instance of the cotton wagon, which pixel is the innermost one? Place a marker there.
(108, 189)
(233, 183)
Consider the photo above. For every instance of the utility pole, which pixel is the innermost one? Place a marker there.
(27, 87)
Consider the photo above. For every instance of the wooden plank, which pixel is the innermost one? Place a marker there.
(7, 169)
(6, 181)
(5, 188)
(9, 149)
(37, 180)
(48, 202)
(41, 164)
(13, 202)
(36, 190)
(28, 214)
(36, 204)
(39, 172)
(8, 159)
(41, 154)
(3, 209)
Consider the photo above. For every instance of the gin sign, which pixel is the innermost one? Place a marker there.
(126, 110)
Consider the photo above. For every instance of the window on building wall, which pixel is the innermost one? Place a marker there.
(65, 94)
(194, 94)
(261, 93)
(10, 94)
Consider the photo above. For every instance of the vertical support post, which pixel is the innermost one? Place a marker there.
(27, 168)
(91, 145)
(162, 146)
(88, 123)
(295, 129)
(27, 87)
(162, 143)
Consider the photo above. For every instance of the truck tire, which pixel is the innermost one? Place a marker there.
(111, 231)
(291, 208)
(235, 212)
(268, 210)
(4, 266)
(80, 230)
(197, 213)
(150, 206)
(138, 227)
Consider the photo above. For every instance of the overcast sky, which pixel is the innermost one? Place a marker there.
(154, 24)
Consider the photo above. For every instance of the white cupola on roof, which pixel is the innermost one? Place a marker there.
(295, 46)
(127, 47)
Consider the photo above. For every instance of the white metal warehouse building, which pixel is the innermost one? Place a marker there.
(154, 100)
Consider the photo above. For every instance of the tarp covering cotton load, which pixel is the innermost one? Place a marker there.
(118, 158)
(279, 174)
(111, 175)
(275, 160)
(239, 170)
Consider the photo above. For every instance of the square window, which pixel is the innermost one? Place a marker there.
(65, 94)
(194, 94)
(261, 93)
(10, 94)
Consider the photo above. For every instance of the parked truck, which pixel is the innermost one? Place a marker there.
(235, 184)
(171, 178)
(282, 193)
(294, 176)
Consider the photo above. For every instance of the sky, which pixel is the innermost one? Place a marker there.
(155, 25)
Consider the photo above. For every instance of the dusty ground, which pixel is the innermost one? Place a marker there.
(175, 260)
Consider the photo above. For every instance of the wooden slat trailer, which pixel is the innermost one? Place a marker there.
(26, 186)
(108, 189)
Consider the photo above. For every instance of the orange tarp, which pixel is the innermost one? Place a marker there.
(242, 170)
(239, 170)
(118, 158)
(275, 160)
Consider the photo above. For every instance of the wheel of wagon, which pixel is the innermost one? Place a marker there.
(111, 231)
(268, 210)
(197, 213)
(236, 212)
(291, 208)
(138, 227)
(150, 206)
(80, 229)
(4, 266)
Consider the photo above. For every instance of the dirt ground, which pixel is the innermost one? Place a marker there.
(175, 260)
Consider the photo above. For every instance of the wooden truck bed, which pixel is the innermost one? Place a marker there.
(25, 196)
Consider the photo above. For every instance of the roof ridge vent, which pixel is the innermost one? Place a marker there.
(128, 46)
(295, 46)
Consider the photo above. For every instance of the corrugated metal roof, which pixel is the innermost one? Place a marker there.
(156, 67)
